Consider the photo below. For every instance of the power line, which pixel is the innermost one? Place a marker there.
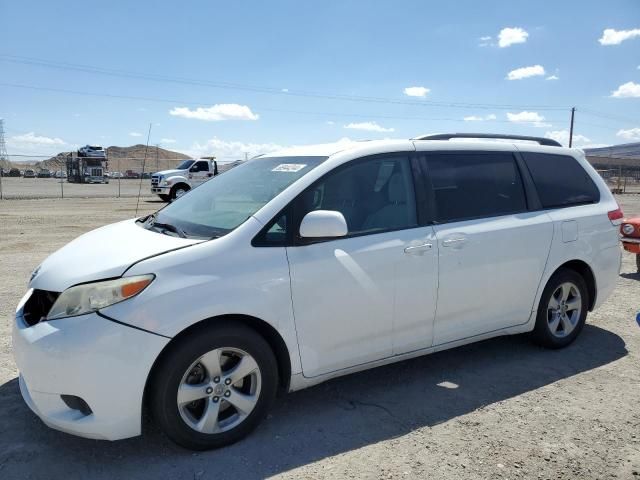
(275, 110)
(258, 89)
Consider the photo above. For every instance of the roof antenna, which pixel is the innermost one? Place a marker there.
(144, 161)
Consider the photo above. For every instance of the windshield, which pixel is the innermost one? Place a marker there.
(220, 205)
(184, 165)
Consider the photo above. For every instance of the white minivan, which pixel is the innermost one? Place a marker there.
(308, 264)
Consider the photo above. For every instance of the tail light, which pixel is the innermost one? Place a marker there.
(616, 216)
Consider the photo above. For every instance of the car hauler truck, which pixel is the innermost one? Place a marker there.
(172, 184)
(88, 165)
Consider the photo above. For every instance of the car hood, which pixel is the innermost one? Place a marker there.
(166, 173)
(106, 252)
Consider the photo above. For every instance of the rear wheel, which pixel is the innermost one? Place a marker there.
(214, 386)
(562, 311)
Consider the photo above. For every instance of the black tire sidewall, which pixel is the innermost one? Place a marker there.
(175, 363)
(541, 333)
(175, 188)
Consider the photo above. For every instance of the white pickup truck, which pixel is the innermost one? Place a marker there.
(172, 184)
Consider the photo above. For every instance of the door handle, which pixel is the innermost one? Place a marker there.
(418, 249)
(453, 241)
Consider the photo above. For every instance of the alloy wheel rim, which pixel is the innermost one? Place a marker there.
(180, 192)
(219, 390)
(563, 311)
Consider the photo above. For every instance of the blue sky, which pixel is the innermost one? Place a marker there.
(227, 78)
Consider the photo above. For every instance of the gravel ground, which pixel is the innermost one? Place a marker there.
(502, 408)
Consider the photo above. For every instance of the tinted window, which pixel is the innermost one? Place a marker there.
(473, 185)
(560, 180)
(374, 195)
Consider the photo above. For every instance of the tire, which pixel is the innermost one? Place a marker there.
(190, 364)
(164, 197)
(562, 311)
(638, 262)
(178, 190)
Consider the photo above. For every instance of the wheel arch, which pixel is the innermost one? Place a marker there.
(268, 332)
(181, 183)
(582, 268)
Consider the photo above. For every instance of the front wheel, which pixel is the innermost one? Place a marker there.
(214, 386)
(562, 311)
(177, 191)
(164, 197)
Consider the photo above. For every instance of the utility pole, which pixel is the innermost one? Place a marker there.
(4, 157)
(157, 154)
(573, 112)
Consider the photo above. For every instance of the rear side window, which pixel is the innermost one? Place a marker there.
(470, 185)
(560, 180)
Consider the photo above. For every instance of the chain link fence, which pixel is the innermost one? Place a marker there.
(116, 177)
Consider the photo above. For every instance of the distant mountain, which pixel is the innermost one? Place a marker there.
(624, 150)
(126, 158)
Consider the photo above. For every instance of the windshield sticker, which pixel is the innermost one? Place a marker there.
(289, 167)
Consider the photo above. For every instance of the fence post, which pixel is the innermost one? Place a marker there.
(119, 176)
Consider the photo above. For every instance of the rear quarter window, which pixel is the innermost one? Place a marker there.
(560, 180)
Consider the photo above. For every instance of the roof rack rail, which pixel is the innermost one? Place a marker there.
(448, 136)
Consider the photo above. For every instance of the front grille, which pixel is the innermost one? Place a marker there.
(38, 306)
(154, 181)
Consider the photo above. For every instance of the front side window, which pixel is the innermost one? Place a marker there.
(184, 165)
(560, 180)
(474, 185)
(223, 203)
(374, 195)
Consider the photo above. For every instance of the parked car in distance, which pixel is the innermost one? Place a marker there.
(29, 173)
(630, 236)
(116, 175)
(14, 172)
(44, 173)
(95, 151)
(307, 264)
(188, 174)
(60, 174)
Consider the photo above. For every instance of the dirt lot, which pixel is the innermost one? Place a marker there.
(499, 409)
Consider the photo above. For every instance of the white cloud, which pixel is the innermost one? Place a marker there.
(168, 140)
(30, 141)
(525, 72)
(610, 36)
(285, 90)
(368, 126)
(579, 141)
(477, 118)
(533, 118)
(416, 91)
(509, 36)
(631, 134)
(627, 90)
(330, 122)
(552, 77)
(216, 113)
(135, 134)
(485, 39)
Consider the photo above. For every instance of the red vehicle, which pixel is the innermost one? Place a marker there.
(630, 233)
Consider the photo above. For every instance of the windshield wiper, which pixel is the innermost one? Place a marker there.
(172, 228)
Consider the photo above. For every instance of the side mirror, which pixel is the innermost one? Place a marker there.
(323, 224)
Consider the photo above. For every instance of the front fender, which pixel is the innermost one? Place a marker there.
(224, 276)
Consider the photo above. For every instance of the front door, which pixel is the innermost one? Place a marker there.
(199, 173)
(353, 294)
